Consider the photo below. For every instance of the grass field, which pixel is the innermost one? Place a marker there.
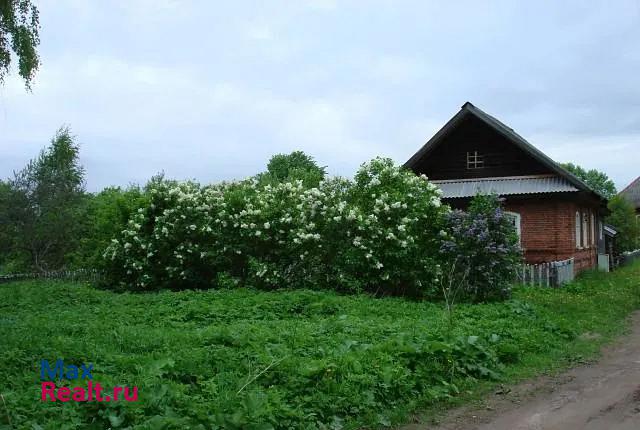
(244, 359)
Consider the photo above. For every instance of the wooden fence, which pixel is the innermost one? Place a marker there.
(552, 274)
(71, 275)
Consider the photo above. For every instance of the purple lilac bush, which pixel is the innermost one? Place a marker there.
(481, 248)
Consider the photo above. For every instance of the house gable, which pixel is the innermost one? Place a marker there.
(473, 149)
(446, 154)
(632, 194)
(558, 214)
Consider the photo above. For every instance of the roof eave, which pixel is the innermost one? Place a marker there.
(435, 139)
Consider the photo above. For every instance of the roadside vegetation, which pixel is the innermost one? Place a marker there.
(289, 299)
(385, 231)
(249, 359)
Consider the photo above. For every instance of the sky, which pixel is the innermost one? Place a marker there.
(211, 90)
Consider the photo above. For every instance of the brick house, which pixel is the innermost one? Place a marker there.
(557, 216)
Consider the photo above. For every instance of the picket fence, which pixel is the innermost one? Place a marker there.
(72, 275)
(552, 274)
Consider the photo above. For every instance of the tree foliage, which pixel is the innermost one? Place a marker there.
(104, 216)
(43, 203)
(291, 167)
(19, 33)
(598, 181)
(623, 218)
(5, 231)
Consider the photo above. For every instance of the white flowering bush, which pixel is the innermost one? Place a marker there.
(378, 233)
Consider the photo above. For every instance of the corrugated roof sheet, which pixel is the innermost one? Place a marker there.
(510, 185)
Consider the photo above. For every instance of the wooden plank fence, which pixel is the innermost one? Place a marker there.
(551, 274)
(71, 275)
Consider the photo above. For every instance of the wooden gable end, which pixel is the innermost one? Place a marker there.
(472, 149)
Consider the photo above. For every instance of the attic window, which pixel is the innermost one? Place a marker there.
(474, 160)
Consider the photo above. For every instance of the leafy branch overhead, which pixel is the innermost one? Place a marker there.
(598, 181)
(19, 34)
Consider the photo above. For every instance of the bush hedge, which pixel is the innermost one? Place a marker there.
(379, 232)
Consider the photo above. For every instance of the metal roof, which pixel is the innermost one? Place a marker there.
(610, 230)
(509, 185)
(511, 135)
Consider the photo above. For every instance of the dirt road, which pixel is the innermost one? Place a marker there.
(601, 396)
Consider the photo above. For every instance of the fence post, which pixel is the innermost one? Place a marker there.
(533, 279)
(539, 274)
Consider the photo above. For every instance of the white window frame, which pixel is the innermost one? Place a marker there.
(517, 222)
(578, 229)
(601, 229)
(474, 160)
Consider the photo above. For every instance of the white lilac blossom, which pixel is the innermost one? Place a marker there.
(320, 235)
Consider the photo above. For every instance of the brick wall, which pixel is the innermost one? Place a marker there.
(548, 232)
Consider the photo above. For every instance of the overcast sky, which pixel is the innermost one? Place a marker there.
(210, 90)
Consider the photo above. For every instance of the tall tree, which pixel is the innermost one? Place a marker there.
(598, 181)
(6, 234)
(45, 203)
(623, 218)
(294, 166)
(19, 33)
(105, 216)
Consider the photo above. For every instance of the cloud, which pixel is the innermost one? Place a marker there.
(151, 118)
(611, 153)
(211, 91)
(259, 31)
(325, 5)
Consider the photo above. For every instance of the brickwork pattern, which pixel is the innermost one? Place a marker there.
(548, 232)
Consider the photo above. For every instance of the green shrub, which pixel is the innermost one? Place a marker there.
(623, 218)
(105, 215)
(378, 233)
(481, 250)
(508, 353)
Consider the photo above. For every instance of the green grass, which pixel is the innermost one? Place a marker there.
(305, 359)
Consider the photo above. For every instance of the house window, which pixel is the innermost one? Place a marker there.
(593, 229)
(578, 231)
(585, 230)
(474, 160)
(515, 218)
